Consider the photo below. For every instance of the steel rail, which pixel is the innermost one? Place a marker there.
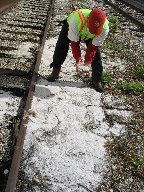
(5, 8)
(134, 4)
(12, 178)
(135, 21)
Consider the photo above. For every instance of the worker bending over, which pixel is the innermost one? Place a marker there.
(90, 27)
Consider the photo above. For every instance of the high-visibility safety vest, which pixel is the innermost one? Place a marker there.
(81, 18)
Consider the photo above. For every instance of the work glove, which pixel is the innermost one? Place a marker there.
(83, 69)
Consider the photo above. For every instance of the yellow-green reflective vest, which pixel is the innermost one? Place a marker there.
(81, 18)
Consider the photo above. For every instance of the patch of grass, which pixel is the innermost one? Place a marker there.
(114, 23)
(106, 78)
(140, 70)
(112, 43)
(138, 164)
(133, 37)
(132, 87)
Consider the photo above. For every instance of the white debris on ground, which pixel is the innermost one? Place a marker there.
(23, 50)
(67, 131)
(9, 105)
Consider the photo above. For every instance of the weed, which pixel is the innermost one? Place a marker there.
(106, 77)
(114, 24)
(113, 44)
(133, 37)
(138, 164)
(132, 87)
(140, 70)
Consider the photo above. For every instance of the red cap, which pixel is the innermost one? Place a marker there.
(96, 21)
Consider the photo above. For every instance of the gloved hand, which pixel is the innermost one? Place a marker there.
(83, 69)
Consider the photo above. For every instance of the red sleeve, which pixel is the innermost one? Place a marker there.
(75, 46)
(90, 53)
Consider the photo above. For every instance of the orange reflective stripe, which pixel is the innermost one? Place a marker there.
(83, 20)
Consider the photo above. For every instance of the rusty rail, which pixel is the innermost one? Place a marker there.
(135, 21)
(135, 4)
(12, 179)
(6, 7)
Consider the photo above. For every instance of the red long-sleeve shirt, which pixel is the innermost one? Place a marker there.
(90, 52)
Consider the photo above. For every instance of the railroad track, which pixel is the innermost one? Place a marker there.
(128, 10)
(136, 4)
(23, 33)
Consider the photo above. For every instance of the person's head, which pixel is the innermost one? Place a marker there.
(96, 21)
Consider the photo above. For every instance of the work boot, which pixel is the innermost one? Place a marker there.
(98, 86)
(54, 75)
